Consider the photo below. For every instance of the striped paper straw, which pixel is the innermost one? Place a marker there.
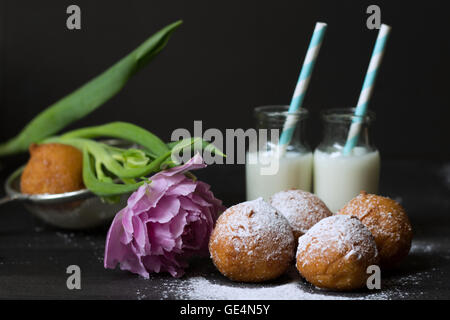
(367, 88)
(302, 85)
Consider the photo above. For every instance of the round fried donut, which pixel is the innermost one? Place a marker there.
(252, 242)
(335, 253)
(302, 209)
(387, 221)
(52, 168)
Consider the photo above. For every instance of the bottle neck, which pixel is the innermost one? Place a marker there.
(273, 119)
(335, 134)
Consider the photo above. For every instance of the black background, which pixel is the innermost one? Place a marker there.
(227, 58)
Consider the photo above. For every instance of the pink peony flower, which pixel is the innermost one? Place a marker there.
(164, 223)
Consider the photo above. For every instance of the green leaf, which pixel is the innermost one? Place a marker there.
(194, 143)
(103, 188)
(123, 130)
(90, 96)
(133, 158)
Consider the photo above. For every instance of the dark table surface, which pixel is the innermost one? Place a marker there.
(34, 256)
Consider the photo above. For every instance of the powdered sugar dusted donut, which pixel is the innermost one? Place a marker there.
(252, 242)
(388, 222)
(335, 253)
(302, 209)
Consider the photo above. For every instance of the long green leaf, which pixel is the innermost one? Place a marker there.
(90, 96)
(122, 130)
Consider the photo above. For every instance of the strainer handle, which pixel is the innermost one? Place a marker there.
(7, 199)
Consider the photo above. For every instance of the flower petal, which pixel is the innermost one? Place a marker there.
(166, 209)
(178, 223)
(117, 252)
(114, 250)
(183, 188)
(160, 237)
(194, 163)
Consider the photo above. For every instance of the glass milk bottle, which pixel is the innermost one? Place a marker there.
(338, 178)
(268, 172)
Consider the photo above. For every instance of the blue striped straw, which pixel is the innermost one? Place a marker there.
(302, 85)
(367, 88)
